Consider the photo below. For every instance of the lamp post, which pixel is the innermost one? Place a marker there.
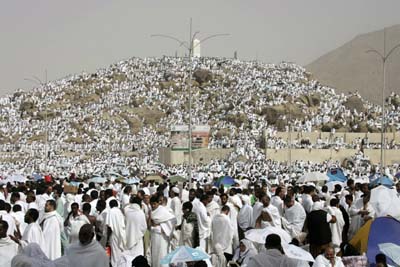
(384, 59)
(42, 84)
(189, 46)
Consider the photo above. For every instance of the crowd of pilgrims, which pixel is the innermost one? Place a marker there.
(62, 111)
(41, 225)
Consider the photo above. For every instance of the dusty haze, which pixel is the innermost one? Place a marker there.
(71, 36)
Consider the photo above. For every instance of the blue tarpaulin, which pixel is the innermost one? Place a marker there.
(383, 230)
(336, 175)
(384, 180)
(225, 180)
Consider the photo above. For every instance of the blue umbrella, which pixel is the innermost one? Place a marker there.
(384, 180)
(184, 254)
(336, 175)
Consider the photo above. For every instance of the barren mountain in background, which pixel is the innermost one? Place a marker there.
(349, 68)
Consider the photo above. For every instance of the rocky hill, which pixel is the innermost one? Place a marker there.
(129, 108)
(349, 68)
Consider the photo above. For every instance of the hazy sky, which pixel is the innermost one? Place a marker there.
(70, 36)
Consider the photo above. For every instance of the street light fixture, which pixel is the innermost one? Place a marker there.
(384, 59)
(189, 46)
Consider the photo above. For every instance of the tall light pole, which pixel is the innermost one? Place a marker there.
(189, 46)
(42, 84)
(384, 59)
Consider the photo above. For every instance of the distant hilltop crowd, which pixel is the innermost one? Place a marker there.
(124, 112)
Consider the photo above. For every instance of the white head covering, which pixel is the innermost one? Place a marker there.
(146, 191)
(175, 190)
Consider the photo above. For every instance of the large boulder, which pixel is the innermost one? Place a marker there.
(354, 103)
(202, 76)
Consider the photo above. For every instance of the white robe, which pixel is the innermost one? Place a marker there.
(278, 203)
(213, 209)
(33, 234)
(76, 226)
(19, 218)
(357, 221)
(321, 261)
(245, 217)
(293, 219)
(176, 207)
(8, 249)
(233, 215)
(203, 220)
(116, 221)
(274, 214)
(10, 221)
(52, 225)
(336, 228)
(161, 233)
(136, 226)
(92, 254)
(257, 208)
(222, 232)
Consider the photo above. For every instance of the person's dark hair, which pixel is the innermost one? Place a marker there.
(187, 206)
(324, 189)
(223, 195)
(338, 188)
(4, 224)
(225, 208)
(140, 261)
(85, 198)
(52, 203)
(8, 207)
(261, 195)
(86, 234)
(334, 202)
(380, 258)
(200, 264)
(75, 205)
(15, 195)
(203, 197)
(349, 197)
(16, 208)
(113, 203)
(91, 185)
(154, 199)
(34, 214)
(108, 193)
(273, 241)
(287, 199)
(101, 204)
(278, 190)
(199, 192)
(127, 189)
(350, 182)
(348, 250)
(94, 194)
(308, 189)
(135, 200)
(86, 207)
(2, 205)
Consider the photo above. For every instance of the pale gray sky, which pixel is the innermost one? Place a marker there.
(70, 36)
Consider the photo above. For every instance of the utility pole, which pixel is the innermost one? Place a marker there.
(190, 46)
(384, 59)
